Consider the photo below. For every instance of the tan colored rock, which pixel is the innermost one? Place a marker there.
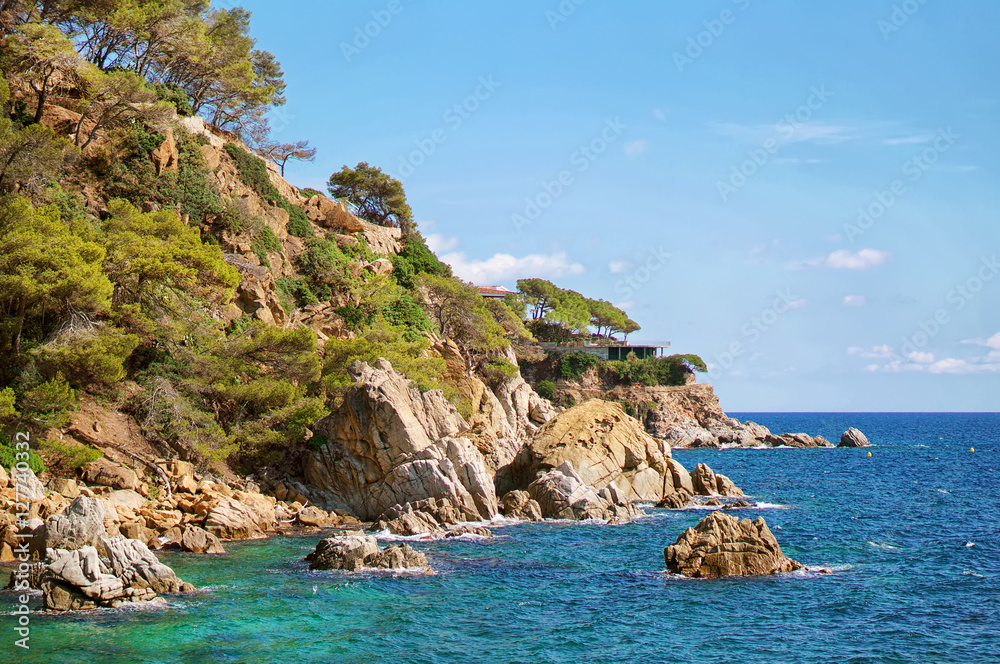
(4, 479)
(391, 445)
(604, 446)
(381, 266)
(520, 505)
(853, 438)
(314, 517)
(722, 545)
(81, 524)
(382, 239)
(244, 517)
(725, 486)
(108, 473)
(212, 158)
(703, 480)
(165, 157)
(198, 540)
(65, 487)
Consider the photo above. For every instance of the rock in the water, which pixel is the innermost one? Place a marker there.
(722, 545)
(519, 505)
(313, 517)
(392, 445)
(725, 487)
(853, 438)
(353, 550)
(562, 494)
(79, 525)
(799, 440)
(469, 530)
(425, 516)
(675, 501)
(198, 540)
(137, 567)
(604, 446)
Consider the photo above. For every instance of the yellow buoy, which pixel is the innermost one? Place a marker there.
(972, 449)
(869, 454)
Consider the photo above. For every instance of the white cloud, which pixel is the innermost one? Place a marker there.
(884, 351)
(921, 357)
(843, 259)
(437, 242)
(617, 267)
(855, 300)
(637, 147)
(504, 267)
(805, 132)
(908, 140)
(992, 342)
(798, 304)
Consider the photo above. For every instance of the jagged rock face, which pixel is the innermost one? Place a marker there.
(520, 505)
(605, 446)
(244, 516)
(502, 417)
(853, 438)
(353, 550)
(391, 445)
(425, 516)
(722, 545)
(562, 494)
(79, 525)
(81, 580)
(108, 473)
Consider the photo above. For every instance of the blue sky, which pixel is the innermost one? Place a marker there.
(804, 194)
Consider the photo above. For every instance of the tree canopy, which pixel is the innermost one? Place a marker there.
(571, 310)
(373, 195)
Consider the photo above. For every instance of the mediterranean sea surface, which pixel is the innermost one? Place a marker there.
(911, 535)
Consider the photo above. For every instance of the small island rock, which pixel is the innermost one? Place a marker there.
(853, 438)
(722, 545)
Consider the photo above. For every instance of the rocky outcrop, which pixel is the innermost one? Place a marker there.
(604, 446)
(107, 473)
(199, 540)
(353, 550)
(562, 494)
(391, 445)
(520, 505)
(425, 516)
(165, 157)
(81, 580)
(853, 438)
(79, 525)
(722, 545)
(707, 483)
(243, 516)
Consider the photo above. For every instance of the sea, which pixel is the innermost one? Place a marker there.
(910, 537)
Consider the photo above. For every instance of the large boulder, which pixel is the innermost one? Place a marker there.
(137, 567)
(520, 505)
(243, 516)
(199, 540)
(723, 545)
(80, 524)
(28, 486)
(604, 446)
(853, 438)
(562, 494)
(108, 473)
(353, 550)
(389, 444)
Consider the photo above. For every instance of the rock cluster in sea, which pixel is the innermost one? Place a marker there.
(354, 550)
(723, 545)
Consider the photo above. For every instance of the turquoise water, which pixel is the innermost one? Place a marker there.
(912, 535)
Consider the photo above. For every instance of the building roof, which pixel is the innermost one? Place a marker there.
(494, 291)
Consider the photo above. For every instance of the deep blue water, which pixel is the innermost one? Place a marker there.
(912, 535)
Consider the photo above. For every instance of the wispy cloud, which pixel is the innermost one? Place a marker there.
(637, 147)
(992, 342)
(908, 140)
(617, 267)
(843, 259)
(821, 133)
(855, 300)
(505, 267)
(919, 361)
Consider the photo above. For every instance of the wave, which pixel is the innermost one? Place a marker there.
(970, 544)
(882, 545)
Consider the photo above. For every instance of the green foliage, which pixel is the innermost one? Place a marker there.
(373, 196)
(460, 314)
(496, 371)
(294, 292)
(265, 241)
(30, 158)
(416, 259)
(89, 356)
(49, 404)
(309, 193)
(191, 187)
(546, 389)
(653, 371)
(10, 456)
(569, 310)
(46, 270)
(406, 312)
(253, 172)
(76, 456)
(409, 357)
(175, 94)
(574, 365)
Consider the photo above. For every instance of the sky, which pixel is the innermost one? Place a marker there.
(803, 194)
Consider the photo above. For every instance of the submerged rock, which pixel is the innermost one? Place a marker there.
(722, 545)
(853, 438)
(353, 550)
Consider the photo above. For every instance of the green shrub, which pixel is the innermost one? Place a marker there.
(653, 371)
(76, 456)
(546, 389)
(90, 357)
(49, 404)
(9, 458)
(176, 95)
(294, 292)
(575, 364)
(414, 259)
(309, 193)
(497, 370)
(405, 312)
